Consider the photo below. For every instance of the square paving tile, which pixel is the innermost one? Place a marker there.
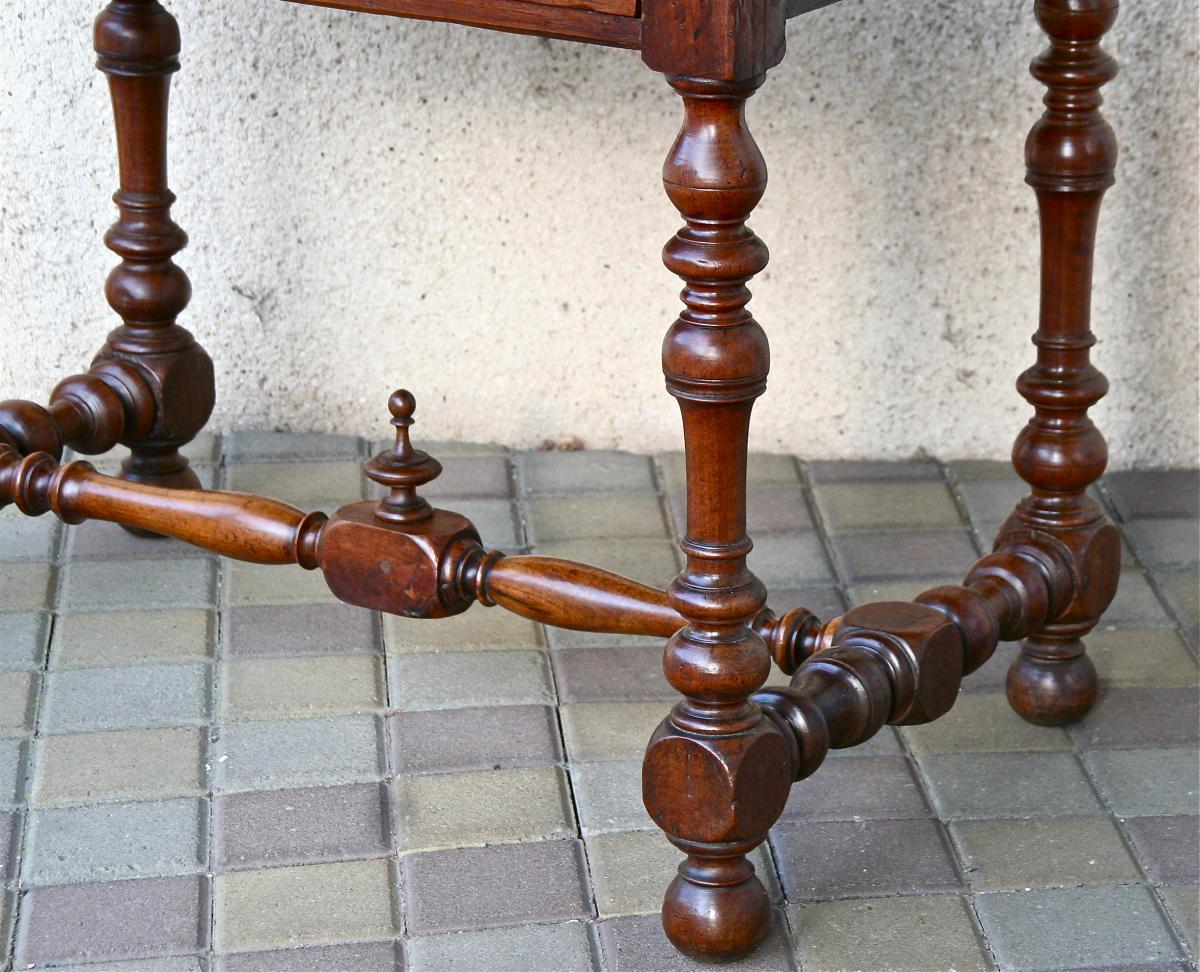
(862, 858)
(115, 766)
(299, 752)
(1146, 782)
(487, 887)
(790, 560)
(847, 507)
(982, 723)
(1136, 605)
(24, 538)
(14, 761)
(303, 484)
(138, 585)
(115, 841)
(1181, 590)
(479, 629)
(1075, 928)
(129, 697)
(637, 943)
(495, 519)
(96, 540)
(23, 638)
(1002, 855)
(469, 678)
(1141, 658)
(1165, 544)
(26, 587)
(11, 836)
(490, 807)
(824, 471)
(262, 584)
(632, 673)
(769, 509)
(253, 446)
(914, 934)
(364, 957)
(651, 562)
(18, 696)
(318, 825)
(465, 477)
(519, 949)
(589, 471)
(610, 730)
(871, 591)
(551, 518)
(891, 556)
(117, 920)
(762, 469)
(131, 637)
(1183, 905)
(278, 688)
(299, 629)
(481, 738)
(986, 785)
(1154, 492)
(608, 796)
(1168, 847)
(1139, 718)
(857, 787)
(315, 904)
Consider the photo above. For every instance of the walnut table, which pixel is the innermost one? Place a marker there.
(718, 769)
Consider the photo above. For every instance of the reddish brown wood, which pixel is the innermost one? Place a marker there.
(137, 48)
(515, 16)
(720, 40)
(1071, 155)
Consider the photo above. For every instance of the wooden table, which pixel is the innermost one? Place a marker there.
(718, 769)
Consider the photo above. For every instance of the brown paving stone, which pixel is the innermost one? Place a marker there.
(480, 738)
(281, 827)
(117, 920)
(275, 688)
(762, 469)
(891, 556)
(553, 518)
(769, 509)
(975, 786)
(637, 943)
(630, 674)
(1141, 658)
(487, 887)
(992, 675)
(1168, 847)
(365, 957)
(848, 507)
(1138, 718)
(790, 560)
(299, 629)
(982, 723)
(479, 629)
(858, 787)
(609, 730)
(869, 471)
(863, 858)
(652, 562)
(114, 638)
(566, 945)
(608, 796)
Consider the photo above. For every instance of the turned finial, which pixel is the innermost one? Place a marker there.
(403, 468)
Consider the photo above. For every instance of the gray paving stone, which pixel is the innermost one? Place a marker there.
(495, 519)
(130, 637)
(26, 587)
(18, 698)
(27, 539)
(474, 887)
(886, 742)
(790, 560)
(762, 469)
(892, 556)
(1146, 782)
(490, 807)
(982, 723)
(964, 470)
(1165, 544)
(298, 752)
(260, 584)
(280, 827)
(769, 509)
(608, 796)
(1136, 605)
(11, 835)
(450, 679)
(990, 501)
(14, 759)
(96, 540)
(1154, 492)
(181, 963)
(138, 585)
(567, 945)
(306, 485)
(561, 639)
(1003, 855)
(114, 841)
(1181, 589)
(365, 957)
(551, 518)
(117, 920)
(849, 507)
(487, 737)
(252, 446)
(868, 471)
(994, 673)
(1183, 905)
(912, 934)
(466, 476)
(820, 860)
(1075, 928)
(587, 471)
(316, 904)
(1141, 718)
(637, 943)
(652, 562)
(204, 450)
(280, 688)
(116, 766)
(130, 697)
(23, 638)
(629, 674)
(595, 731)
(856, 788)
(871, 591)
(1168, 847)
(986, 785)
(1141, 658)
(299, 629)
(478, 629)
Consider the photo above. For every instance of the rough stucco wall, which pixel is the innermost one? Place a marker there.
(477, 216)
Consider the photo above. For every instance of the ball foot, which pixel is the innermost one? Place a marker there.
(716, 922)
(1052, 683)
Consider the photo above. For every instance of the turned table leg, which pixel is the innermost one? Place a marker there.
(716, 773)
(137, 47)
(1071, 155)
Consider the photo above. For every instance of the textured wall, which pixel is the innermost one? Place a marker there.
(477, 216)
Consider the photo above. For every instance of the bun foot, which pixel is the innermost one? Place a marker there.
(715, 922)
(1052, 689)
